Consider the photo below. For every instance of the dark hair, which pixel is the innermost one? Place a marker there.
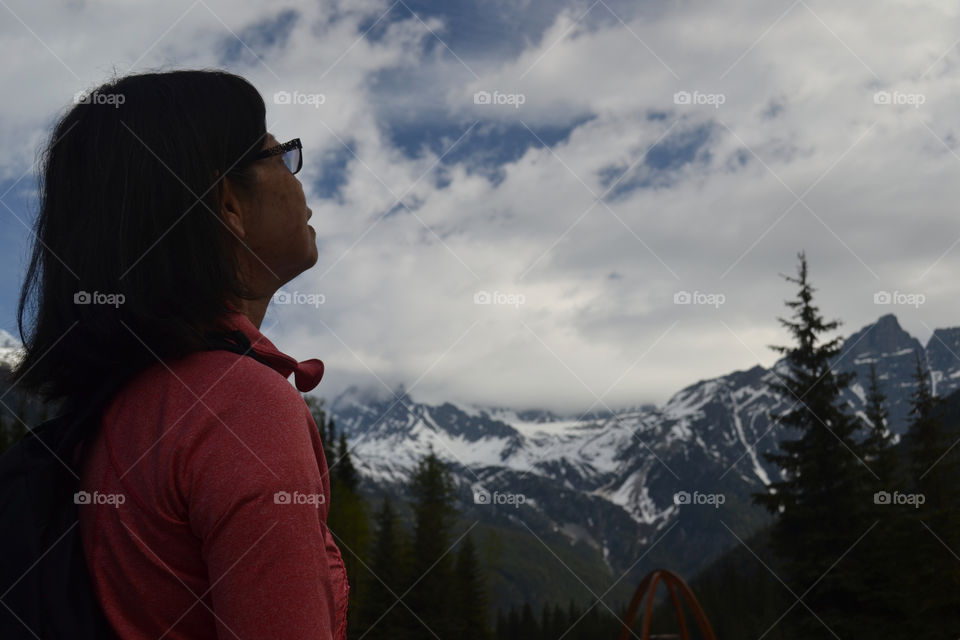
(130, 205)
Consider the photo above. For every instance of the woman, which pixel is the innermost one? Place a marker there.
(169, 215)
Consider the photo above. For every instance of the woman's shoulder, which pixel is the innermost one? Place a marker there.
(233, 404)
(220, 380)
(217, 366)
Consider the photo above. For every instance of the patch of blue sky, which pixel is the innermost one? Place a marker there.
(252, 42)
(16, 241)
(485, 148)
(471, 29)
(661, 164)
(334, 164)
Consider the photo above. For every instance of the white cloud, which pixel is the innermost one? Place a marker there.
(798, 108)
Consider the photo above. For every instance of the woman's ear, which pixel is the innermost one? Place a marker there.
(231, 208)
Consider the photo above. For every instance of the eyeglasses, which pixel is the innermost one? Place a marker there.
(292, 154)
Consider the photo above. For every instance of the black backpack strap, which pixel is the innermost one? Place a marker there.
(75, 423)
(235, 341)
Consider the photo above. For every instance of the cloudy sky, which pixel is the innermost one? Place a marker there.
(511, 197)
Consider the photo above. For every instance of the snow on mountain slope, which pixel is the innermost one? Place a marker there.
(627, 467)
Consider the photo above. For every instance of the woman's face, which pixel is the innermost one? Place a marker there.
(275, 226)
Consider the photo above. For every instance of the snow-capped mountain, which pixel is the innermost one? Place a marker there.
(618, 481)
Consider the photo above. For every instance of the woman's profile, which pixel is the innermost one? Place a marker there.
(169, 216)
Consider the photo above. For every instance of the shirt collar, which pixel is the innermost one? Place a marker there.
(307, 373)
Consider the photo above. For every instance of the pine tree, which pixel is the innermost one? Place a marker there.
(348, 519)
(879, 452)
(927, 443)
(823, 479)
(345, 472)
(501, 626)
(379, 613)
(528, 623)
(470, 594)
(320, 419)
(331, 434)
(316, 410)
(592, 623)
(546, 622)
(934, 531)
(573, 618)
(347, 515)
(513, 624)
(880, 562)
(560, 625)
(434, 515)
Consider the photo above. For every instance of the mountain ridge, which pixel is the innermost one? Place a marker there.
(615, 479)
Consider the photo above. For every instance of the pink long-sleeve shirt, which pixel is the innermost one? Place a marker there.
(208, 497)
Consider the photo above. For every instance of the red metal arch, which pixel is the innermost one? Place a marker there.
(674, 583)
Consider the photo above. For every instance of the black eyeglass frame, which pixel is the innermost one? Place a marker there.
(280, 149)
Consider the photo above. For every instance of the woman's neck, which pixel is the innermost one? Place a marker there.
(255, 310)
